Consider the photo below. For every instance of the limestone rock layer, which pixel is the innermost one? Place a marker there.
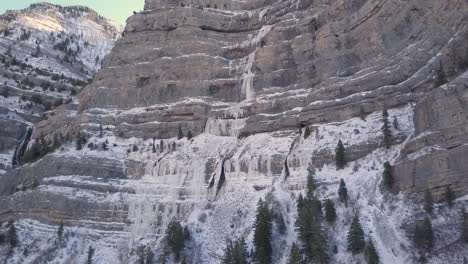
(246, 78)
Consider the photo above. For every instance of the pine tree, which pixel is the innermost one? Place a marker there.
(428, 233)
(340, 158)
(372, 257)
(295, 256)
(343, 192)
(104, 145)
(440, 78)
(428, 202)
(330, 212)
(189, 135)
(306, 132)
(236, 252)
(79, 141)
(149, 256)
(90, 254)
(161, 145)
(311, 182)
(356, 242)
(262, 235)
(388, 180)
(100, 130)
(464, 229)
(310, 232)
(449, 196)
(12, 237)
(154, 147)
(281, 224)
(387, 133)
(181, 134)
(175, 238)
(60, 231)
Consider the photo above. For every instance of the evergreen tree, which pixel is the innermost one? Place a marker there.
(306, 132)
(387, 133)
(388, 180)
(262, 235)
(186, 233)
(60, 231)
(428, 233)
(79, 144)
(149, 256)
(189, 135)
(12, 237)
(372, 257)
(311, 182)
(441, 77)
(104, 145)
(424, 235)
(295, 256)
(175, 238)
(100, 130)
(161, 145)
(449, 196)
(340, 158)
(464, 229)
(154, 147)
(300, 202)
(356, 242)
(236, 252)
(181, 134)
(310, 233)
(330, 212)
(343, 192)
(281, 224)
(90, 254)
(428, 202)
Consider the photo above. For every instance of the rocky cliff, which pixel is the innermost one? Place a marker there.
(247, 80)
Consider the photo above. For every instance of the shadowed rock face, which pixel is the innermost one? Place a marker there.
(244, 77)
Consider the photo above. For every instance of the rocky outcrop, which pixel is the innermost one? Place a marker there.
(245, 79)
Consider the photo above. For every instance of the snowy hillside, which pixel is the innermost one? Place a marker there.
(48, 54)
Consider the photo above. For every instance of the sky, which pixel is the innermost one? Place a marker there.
(117, 10)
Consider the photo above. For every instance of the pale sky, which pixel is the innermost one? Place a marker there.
(117, 10)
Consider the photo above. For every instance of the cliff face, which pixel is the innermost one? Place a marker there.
(246, 78)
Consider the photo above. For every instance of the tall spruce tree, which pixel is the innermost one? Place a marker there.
(441, 78)
(464, 227)
(154, 147)
(100, 130)
(372, 257)
(343, 192)
(311, 182)
(306, 132)
(428, 233)
(387, 133)
(60, 231)
(428, 202)
(330, 212)
(90, 254)
(295, 256)
(236, 252)
(12, 237)
(356, 242)
(175, 238)
(310, 232)
(262, 234)
(387, 176)
(340, 159)
(449, 196)
(189, 135)
(181, 134)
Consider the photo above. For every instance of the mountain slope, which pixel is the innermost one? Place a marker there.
(48, 54)
(247, 79)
